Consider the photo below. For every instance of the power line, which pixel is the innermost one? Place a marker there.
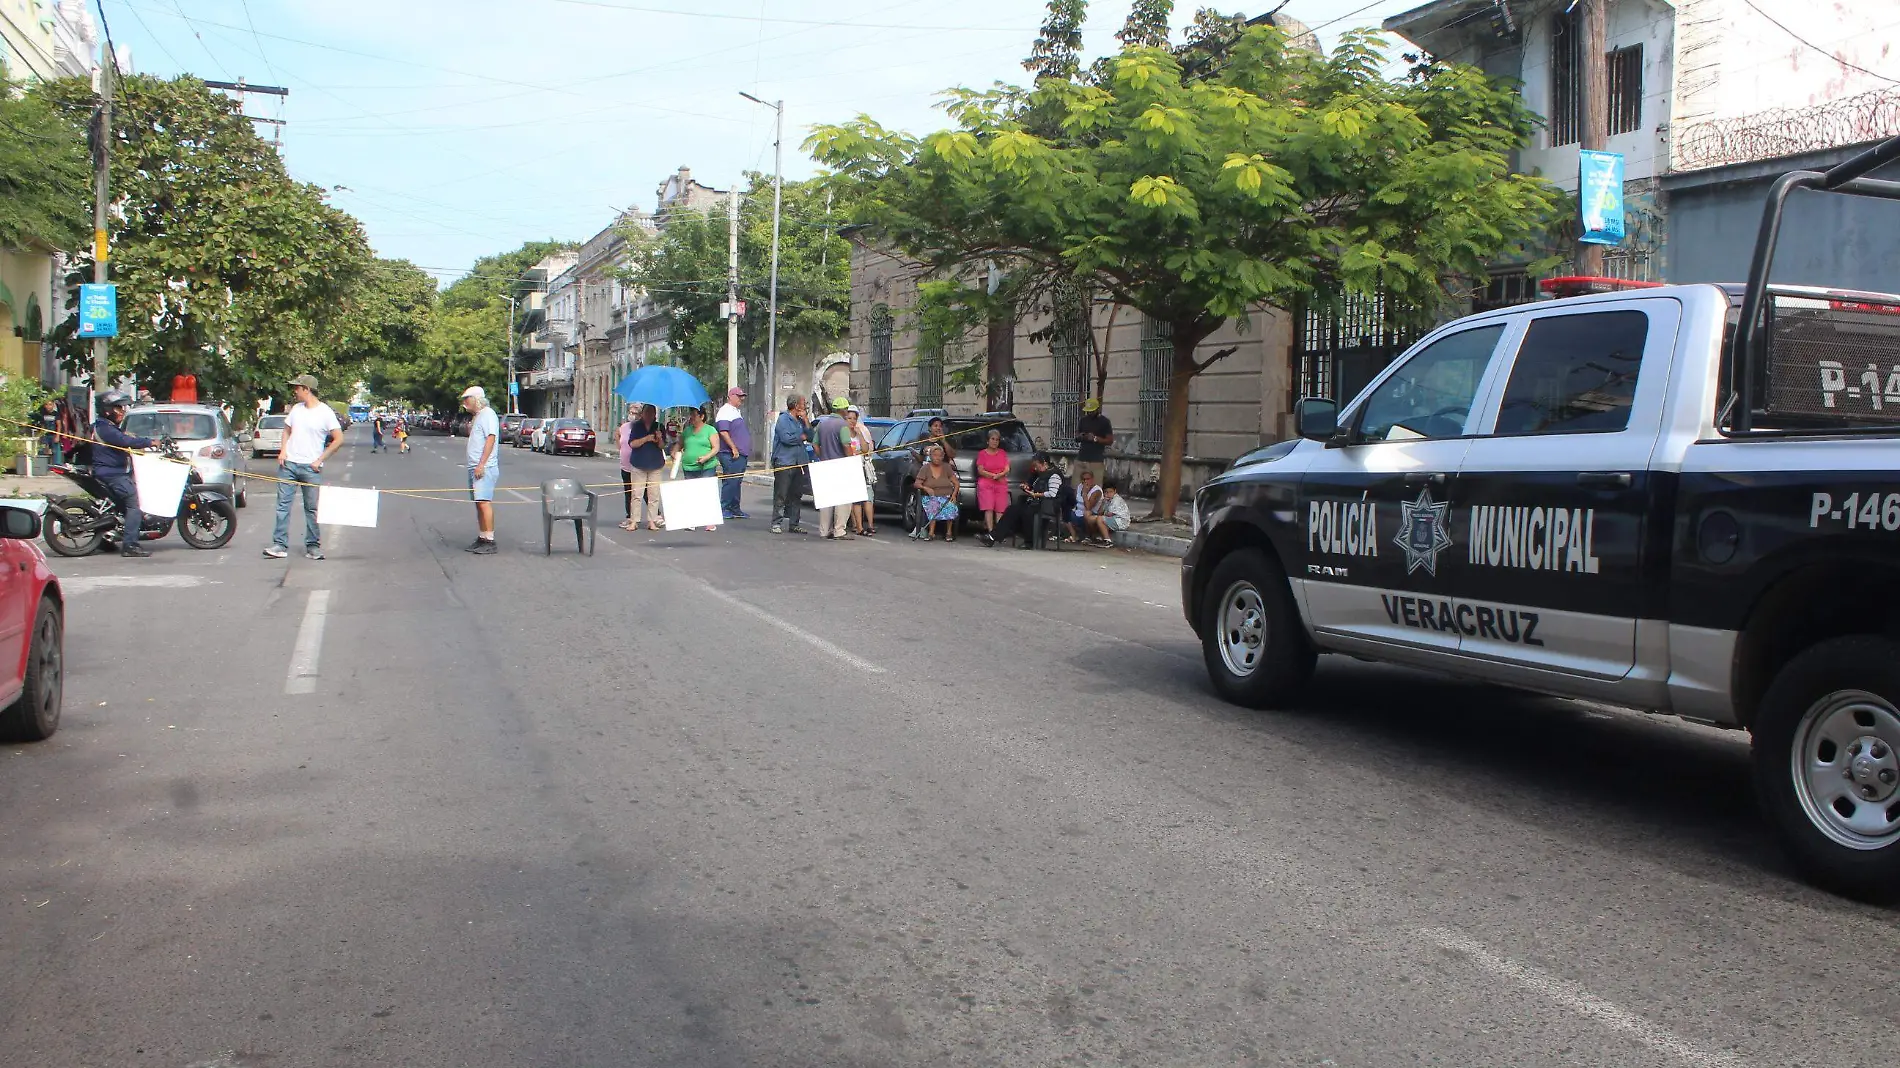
(201, 37)
(1818, 48)
(248, 21)
(1347, 15)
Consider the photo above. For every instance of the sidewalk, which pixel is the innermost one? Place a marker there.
(36, 486)
(1160, 537)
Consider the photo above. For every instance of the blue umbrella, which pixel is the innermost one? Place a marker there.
(662, 387)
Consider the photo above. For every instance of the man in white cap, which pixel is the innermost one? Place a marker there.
(484, 466)
(735, 445)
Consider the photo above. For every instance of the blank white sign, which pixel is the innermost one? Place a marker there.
(340, 506)
(160, 482)
(836, 482)
(691, 502)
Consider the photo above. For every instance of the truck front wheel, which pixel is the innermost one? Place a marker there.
(1827, 764)
(1253, 643)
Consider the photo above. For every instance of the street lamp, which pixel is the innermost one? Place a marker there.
(778, 192)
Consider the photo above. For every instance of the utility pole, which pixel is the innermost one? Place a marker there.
(778, 199)
(101, 160)
(511, 351)
(1595, 134)
(732, 289)
(240, 87)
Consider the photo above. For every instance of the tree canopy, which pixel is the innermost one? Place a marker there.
(1197, 197)
(683, 266)
(45, 177)
(465, 337)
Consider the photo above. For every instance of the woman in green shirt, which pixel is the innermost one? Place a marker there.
(698, 449)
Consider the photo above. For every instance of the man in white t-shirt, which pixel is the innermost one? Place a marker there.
(484, 466)
(312, 433)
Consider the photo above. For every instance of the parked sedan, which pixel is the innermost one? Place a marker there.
(568, 435)
(202, 434)
(267, 437)
(897, 458)
(524, 433)
(32, 629)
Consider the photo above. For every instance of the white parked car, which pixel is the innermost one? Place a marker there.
(268, 436)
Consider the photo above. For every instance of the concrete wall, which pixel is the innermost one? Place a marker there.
(1645, 22)
(1826, 240)
(28, 276)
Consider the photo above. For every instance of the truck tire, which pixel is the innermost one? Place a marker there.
(1255, 647)
(1827, 764)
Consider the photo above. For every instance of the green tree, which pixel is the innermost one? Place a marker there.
(1147, 24)
(227, 268)
(45, 177)
(463, 339)
(1057, 52)
(1196, 200)
(683, 266)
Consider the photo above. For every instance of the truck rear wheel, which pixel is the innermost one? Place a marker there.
(1827, 764)
(1253, 643)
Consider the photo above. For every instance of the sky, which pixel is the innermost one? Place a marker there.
(459, 128)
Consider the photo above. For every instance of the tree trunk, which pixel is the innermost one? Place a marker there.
(1001, 364)
(1101, 354)
(1174, 428)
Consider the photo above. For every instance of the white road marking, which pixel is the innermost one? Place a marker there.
(794, 630)
(1580, 1001)
(302, 676)
(167, 581)
(519, 496)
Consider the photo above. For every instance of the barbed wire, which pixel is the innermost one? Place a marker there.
(1855, 120)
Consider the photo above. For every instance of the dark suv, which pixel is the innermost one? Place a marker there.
(510, 423)
(899, 449)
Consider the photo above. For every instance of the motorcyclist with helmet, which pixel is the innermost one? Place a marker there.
(112, 465)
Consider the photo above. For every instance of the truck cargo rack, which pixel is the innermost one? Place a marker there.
(1795, 360)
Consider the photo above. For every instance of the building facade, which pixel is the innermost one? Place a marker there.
(1104, 350)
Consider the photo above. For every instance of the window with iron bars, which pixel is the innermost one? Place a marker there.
(929, 381)
(1624, 67)
(1343, 342)
(1071, 342)
(1157, 383)
(882, 327)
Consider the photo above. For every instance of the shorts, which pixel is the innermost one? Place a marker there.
(1116, 522)
(482, 487)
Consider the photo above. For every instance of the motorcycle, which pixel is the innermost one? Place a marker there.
(78, 526)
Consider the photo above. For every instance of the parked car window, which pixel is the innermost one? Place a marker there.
(185, 426)
(570, 424)
(972, 437)
(271, 422)
(1575, 374)
(901, 434)
(1430, 396)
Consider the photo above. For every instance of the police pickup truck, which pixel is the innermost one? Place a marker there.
(1683, 499)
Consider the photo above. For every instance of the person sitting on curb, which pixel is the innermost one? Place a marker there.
(1088, 502)
(1112, 516)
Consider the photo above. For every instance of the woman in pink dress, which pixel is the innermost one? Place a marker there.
(992, 480)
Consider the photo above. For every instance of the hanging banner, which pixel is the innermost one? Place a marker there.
(99, 310)
(836, 482)
(1600, 195)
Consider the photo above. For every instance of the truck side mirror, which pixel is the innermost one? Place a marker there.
(1316, 418)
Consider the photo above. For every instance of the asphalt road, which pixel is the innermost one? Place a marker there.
(733, 799)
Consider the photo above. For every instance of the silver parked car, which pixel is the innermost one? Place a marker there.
(202, 434)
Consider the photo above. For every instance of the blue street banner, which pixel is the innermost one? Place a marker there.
(1600, 195)
(514, 388)
(99, 310)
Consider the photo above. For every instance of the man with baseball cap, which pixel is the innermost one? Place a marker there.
(1093, 436)
(484, 466)
(312, 433)
(735, 447)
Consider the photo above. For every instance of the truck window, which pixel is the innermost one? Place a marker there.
(1430, 395)
(1575, 374)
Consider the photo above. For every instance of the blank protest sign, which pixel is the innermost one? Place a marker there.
(836, 482)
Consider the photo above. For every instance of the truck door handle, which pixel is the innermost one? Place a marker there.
(1605, 479)
(1420, 478)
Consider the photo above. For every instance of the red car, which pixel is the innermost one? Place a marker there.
(32, 629)
(570, 435)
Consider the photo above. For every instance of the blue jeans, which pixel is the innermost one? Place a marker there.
(126, 493)
(733, 467)
(307, 480)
